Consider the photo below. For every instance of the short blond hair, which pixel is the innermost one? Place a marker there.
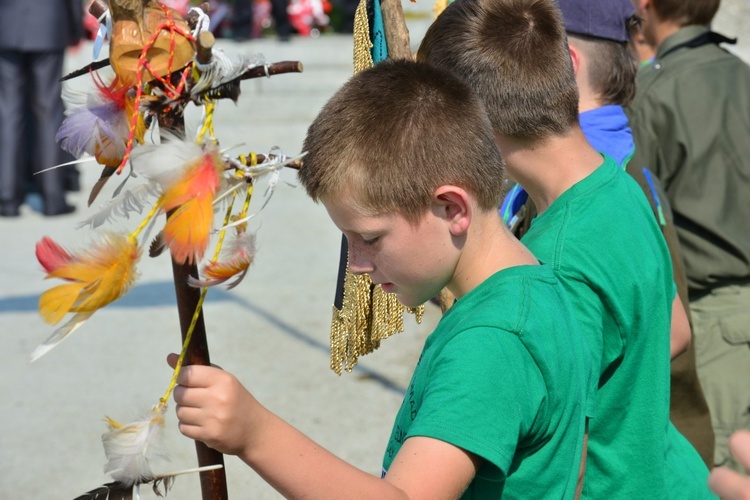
(395, 133)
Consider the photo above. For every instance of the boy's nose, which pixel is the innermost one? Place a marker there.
(358, 261)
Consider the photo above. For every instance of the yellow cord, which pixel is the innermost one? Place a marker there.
(248, 197)
(208, 123)
(185, 344)
(148, 218)
(196, 314)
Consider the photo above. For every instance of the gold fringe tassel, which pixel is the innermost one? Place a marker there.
(362, 43)
(368, 314)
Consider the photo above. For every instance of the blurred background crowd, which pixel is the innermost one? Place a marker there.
(34, 38)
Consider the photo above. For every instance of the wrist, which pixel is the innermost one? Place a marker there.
(259, 435)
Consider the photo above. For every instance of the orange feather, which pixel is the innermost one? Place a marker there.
(225, 270)
(236, 259)
(190, 201)
(99, 276)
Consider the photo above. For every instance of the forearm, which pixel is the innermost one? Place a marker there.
(679, 335)
(298, 467)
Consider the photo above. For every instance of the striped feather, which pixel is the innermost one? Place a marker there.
(235, 261)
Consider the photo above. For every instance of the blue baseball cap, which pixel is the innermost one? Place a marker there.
(607, 19)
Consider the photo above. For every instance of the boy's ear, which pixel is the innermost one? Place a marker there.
(454, 206)
(575, 57)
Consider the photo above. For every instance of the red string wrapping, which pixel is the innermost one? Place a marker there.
(143, 64)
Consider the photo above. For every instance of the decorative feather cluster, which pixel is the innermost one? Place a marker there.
(94, 278)
(185, 180)
(101, 127)
(189, 175)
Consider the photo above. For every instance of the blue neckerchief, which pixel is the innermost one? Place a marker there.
(606, 129)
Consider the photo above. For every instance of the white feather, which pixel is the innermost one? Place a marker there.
(164, 163)
(73, 98)
(122, 205)
(59, 335)
(85, 159)
(270, 168)
(131, 447)
(222, 68)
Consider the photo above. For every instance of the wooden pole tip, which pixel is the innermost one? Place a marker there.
(206, 39)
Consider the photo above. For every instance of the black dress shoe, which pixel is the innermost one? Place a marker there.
(9, 211)
(72, 184)
(65, 209)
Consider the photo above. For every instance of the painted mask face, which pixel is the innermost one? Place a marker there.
(132, 32)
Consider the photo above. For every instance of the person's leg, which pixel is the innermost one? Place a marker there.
(12, 85)
(242, 19)
(281, 19)
(48, 110)
(721, 329)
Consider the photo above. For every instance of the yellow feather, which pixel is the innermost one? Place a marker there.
(55, 303)
(100, 275)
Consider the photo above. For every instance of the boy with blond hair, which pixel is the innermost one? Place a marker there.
(404, 161)
(595, 228)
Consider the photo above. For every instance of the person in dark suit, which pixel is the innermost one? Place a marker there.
(242, 20)
(33, 39)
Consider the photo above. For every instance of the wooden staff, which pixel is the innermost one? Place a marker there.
(213, 482)
(396, 32)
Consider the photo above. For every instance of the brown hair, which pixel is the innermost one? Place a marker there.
(612, 69)
(686, 12)
(514, 54)
(395, 133)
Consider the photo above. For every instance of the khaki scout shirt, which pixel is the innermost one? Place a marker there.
(691, 125)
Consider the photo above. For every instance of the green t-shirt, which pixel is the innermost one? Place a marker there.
(503, 376)
(606, 249)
